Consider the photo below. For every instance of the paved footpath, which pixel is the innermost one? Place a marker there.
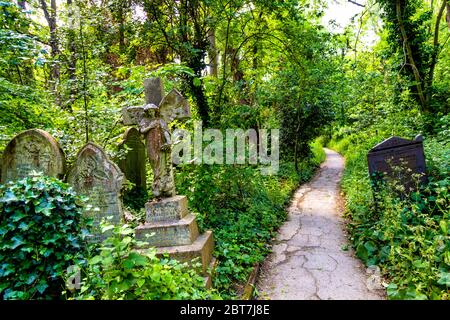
(308, 262)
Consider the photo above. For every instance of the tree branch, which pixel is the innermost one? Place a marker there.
(356, 3)
(45, 9)
(409, 54)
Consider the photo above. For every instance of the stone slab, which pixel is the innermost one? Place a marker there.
(210, 273)
(134, 163)
(166, 209)
(153, 90)
(166, 234)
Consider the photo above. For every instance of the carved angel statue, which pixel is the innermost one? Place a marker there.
(153, 120)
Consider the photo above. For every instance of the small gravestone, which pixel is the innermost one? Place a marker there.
(32, 150)
(96, 177)
(408, 155)
(134, 162)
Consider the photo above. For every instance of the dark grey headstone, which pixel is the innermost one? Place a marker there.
(396, 151)
(134, 162)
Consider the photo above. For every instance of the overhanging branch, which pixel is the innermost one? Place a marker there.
(356, 3)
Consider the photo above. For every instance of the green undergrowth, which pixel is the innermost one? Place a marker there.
(44, 243)
(115, 270)
(244, 209)
(406, 236)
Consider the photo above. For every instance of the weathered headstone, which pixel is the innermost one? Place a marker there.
(32, 150)
(134, 163)
(96, 177)
(398, 152)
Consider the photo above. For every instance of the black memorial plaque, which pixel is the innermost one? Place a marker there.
(400, 152)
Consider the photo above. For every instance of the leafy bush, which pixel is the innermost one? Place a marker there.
(41, 235)
(117, 271)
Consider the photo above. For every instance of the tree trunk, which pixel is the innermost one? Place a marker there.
(212, 53)
(72, 63)
(434, 58)
(27, 67)
(410, 56)
(121, 30)
(448, 15)
(50, 16)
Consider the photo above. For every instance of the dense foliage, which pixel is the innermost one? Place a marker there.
(406, 236)
(41, 234)
(70, 67)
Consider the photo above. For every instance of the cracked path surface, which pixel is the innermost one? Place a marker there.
(307, 262)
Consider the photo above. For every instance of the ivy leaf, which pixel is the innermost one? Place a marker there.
(8, 197)
(31, 279)
(45, 207)
(140, 282)
(17, 241)
(444, 279)
(42, 286)
(107, 228)
(135, 259)
(17, 215)
(95, 260)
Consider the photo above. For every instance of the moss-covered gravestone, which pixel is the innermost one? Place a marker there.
(133, 163)
(95, 176)
(32, 150)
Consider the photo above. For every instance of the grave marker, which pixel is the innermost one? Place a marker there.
(397, 151)
(32, 150)
(133, 165)
(95, 176)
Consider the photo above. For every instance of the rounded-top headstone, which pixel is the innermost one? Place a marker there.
(419, 138)
(32, 150)
(95, 176)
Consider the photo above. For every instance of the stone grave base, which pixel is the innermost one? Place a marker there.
(173, 230)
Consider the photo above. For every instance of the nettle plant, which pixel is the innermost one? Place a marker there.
(42, 234)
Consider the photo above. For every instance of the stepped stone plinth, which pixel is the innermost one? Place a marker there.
(169, 233)
(173, 230)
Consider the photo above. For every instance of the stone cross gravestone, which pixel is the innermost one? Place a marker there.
(153, 120)
(134, 163)
(96, 177)
(32, 150)
(169, 225)
(395, 151)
